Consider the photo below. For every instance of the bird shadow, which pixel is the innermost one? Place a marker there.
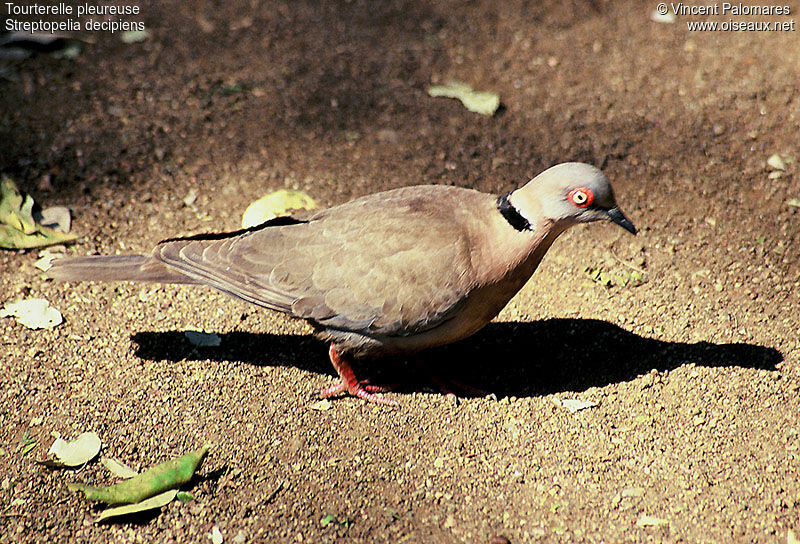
(509, 359)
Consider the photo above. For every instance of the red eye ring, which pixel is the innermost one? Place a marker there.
(582, 197)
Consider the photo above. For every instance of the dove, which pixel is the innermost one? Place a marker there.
(391, 273)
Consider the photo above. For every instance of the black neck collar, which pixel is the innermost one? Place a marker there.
(510, 213)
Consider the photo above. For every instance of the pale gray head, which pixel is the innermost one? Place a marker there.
(569, 193)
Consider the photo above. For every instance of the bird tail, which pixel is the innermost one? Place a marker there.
(115, 268)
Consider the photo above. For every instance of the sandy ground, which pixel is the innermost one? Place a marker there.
(695, 373)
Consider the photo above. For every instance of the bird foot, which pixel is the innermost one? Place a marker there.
(350, 385)
(365, 391)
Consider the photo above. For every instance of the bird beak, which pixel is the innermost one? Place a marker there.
(615, 215)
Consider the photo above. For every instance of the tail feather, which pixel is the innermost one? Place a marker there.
(115, 268)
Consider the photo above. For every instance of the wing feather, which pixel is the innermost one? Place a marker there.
(393, 263)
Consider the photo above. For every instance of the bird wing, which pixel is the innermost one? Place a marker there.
(393, 263)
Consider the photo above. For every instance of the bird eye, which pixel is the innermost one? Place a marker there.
(582, 197)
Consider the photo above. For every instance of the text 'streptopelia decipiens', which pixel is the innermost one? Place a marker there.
(390, 273)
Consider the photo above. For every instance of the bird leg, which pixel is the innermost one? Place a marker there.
(350, 383)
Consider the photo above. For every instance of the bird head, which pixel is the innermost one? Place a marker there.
(569, 193)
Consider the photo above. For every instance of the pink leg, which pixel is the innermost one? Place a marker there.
(350, 383)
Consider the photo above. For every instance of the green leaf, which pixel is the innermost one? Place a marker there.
(16, 209)
(27, 443)
(164, 476)
(184, 496)
(327, 520)
(18, 229)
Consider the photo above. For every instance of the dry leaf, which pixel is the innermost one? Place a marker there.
(76, 452)
(46, 257)
(650, 521)
(203, 339)
(215, 535)
(322, 405)
(134, 36)
(485, 103)
(118, 469)
(576, 405)
(153, 502)
(57, 218)
(277, 204)
(776, 162)
(34, 313)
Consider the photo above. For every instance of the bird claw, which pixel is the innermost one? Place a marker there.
(365, 392)
(350, 385)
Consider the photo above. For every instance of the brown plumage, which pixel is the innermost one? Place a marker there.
(392, 272)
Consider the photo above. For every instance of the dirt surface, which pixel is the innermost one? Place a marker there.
(695, 373)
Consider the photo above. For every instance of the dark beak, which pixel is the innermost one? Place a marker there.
(615, 215)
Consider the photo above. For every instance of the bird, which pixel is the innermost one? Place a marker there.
(390, 273)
